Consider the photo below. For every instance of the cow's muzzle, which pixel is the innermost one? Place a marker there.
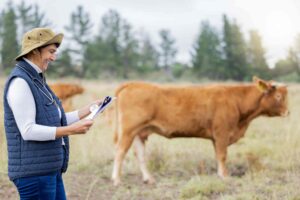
(285, 114)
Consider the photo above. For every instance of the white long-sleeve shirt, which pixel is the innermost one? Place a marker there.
(19, 96)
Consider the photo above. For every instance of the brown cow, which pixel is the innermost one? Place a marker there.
(221, 113)
(64, 91)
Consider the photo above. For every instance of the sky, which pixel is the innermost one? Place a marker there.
(277, 21)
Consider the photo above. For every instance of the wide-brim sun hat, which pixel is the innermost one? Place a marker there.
(38, 37)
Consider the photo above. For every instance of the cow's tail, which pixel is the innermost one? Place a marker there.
(117, 115)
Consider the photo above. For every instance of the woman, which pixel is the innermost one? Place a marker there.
(36, 126)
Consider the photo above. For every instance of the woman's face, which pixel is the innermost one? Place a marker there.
(46, 55)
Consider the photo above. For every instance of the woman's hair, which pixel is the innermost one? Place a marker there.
(39, 49)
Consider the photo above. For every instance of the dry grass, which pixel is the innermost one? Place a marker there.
(264, 165)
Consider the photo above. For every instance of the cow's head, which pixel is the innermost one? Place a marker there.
(274, 101)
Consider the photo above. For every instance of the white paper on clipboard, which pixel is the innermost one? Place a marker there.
(105, 103)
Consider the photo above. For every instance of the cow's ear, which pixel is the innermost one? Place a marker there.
(255, 79)
(262, 85)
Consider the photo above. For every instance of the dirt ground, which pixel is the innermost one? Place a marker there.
(91, 184)
(82, 185)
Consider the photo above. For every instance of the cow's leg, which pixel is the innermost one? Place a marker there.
(139, 147)
(124, 142)
(221, 153)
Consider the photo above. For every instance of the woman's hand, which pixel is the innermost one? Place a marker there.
(98, 102)
(80, 127)
(85, 111)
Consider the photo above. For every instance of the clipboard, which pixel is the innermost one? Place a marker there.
(99, 109)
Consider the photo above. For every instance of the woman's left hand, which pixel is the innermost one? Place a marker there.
(86, 110)
(97, 102)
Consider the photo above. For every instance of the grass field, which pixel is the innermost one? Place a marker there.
(265, 164)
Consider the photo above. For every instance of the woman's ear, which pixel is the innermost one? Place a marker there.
(35, 51)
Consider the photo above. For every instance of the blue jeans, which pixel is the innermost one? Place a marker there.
(46, 187)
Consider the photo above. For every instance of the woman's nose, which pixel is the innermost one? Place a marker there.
(53, 57)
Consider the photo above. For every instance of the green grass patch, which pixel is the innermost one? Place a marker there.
(202, 187)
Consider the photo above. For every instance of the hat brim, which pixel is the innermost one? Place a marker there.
(57, 39)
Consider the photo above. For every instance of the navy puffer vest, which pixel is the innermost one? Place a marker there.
(31, 158)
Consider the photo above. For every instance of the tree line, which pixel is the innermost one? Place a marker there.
(117, 50)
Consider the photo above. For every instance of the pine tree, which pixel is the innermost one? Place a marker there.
(1, 33)
(129, 47)
(256, 56)
(284, 67)
(291, 64)
(24, 17)
(94, 58)
(39, 19)
(104, 54)
(111, 33)
(79, 31)
(167, 52)
(294, 55)
(29, 17)
(207, 55)
(148, 56)
(235, 51)
(9, 47)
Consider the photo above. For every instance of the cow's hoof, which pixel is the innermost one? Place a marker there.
(150, 181)
(116, 182)
(223, 176)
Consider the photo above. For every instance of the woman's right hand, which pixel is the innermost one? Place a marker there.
(80, 127)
